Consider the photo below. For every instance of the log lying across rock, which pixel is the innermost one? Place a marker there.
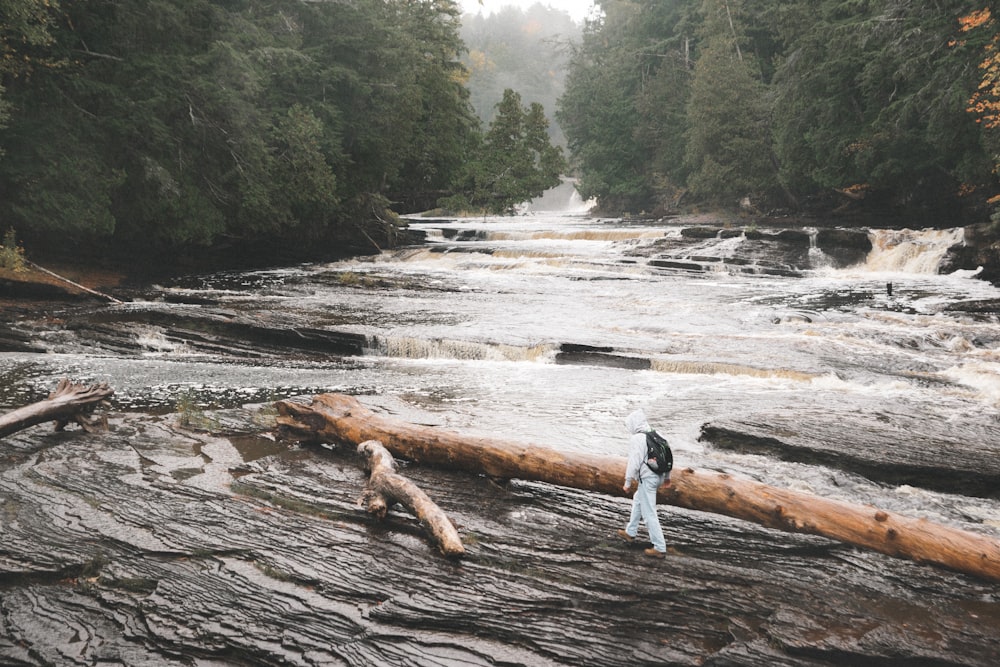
(69, 402)
(340, 418)
(386, 486)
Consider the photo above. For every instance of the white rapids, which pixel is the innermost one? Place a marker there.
(466, 330)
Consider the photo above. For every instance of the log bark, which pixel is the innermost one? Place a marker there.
(340, 418)
(386, 486)
(69, 402)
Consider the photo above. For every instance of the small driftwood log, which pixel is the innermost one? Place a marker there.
(70, 282)
(340, 418)
(69, 402)
(386, 486)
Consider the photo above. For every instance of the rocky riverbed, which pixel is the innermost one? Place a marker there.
(204, 539)
(191, 533)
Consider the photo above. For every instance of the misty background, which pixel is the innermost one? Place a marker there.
(525, 46)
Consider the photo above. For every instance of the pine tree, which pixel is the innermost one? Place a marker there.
(515, 162)
(728, 136)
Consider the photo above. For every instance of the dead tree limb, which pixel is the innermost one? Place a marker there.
(69, 402)
(340, 418)
(386, 486)
(70, 282)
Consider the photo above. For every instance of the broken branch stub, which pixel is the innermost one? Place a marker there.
(386, 486)
(69, 402)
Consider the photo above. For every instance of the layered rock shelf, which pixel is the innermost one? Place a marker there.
(152, 544)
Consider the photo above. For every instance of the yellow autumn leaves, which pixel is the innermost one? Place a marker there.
(985, 102)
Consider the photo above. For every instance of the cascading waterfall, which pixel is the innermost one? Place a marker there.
(461, 350)
(911, 251)
(571, 312)
(718, 368)
(817, 258)
(563, 198)
(546, 328)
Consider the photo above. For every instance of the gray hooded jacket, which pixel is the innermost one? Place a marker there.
(636, 469)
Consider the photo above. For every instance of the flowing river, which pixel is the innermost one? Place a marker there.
(549, 327)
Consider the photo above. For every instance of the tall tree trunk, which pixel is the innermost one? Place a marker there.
(340, 418)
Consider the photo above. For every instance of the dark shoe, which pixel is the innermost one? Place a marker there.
(625, 536)
(654, 553)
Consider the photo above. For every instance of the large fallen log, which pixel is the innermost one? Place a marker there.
(340, 418)
(386, 486)
(69, 402)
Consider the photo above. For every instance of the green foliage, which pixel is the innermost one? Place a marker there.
(879, 98)
(58, 185)
(182, 122)
(516, 161)
(24, 29)
(526, 50)
(727, 141)
(11, 254)
(191, 413)
(624, 107)
(781, 100)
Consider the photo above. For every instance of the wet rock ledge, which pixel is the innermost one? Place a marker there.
(156, 544)
(952, 457)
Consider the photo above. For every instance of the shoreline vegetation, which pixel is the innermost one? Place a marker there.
(201, 133)
(32, 283)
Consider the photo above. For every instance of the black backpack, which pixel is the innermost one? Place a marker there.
(659, 458)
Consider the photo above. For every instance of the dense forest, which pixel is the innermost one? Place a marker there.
(165, 125)
(885, 105)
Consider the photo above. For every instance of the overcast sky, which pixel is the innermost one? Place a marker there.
(578, 9)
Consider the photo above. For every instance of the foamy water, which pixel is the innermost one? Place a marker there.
(550, 327)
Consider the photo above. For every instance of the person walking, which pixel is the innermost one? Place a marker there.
(644, 498)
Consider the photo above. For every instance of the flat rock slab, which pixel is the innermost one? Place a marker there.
(155, 545)
(951, 456)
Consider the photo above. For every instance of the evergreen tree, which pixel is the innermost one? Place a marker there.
(624, 109)
(180, 122)
(24, 32)
(728, 136)
(869, 98)
(524, 50)
(786, 98)
(443, 121)
(515, 162)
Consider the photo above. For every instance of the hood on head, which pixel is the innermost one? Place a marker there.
(636, 422)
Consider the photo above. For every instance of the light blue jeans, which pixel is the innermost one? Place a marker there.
(644, 507)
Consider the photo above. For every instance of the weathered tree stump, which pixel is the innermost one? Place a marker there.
(340, 418)
(69, 402)
(386, 486)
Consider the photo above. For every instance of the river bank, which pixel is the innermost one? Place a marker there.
(979, 251)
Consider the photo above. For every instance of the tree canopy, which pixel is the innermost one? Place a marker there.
(174, 123)
(514, 163)
(784, 103)
(171, 124)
